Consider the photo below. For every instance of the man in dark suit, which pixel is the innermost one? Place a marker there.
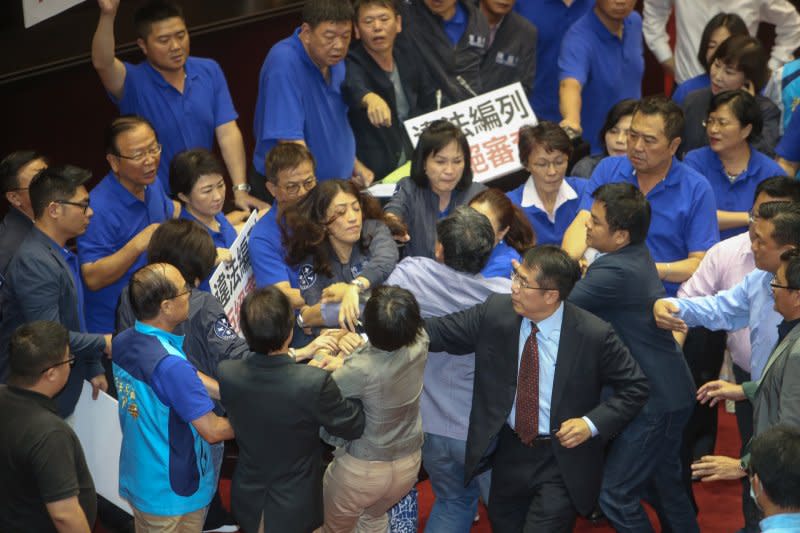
(44, 282)
(276, 408)
(537, 413)
(385, 85)
(621, 287)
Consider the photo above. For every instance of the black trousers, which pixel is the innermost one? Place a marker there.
(528, 493)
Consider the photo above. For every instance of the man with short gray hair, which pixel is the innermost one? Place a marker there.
(451, 283)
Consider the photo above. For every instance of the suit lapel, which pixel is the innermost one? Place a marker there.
(45, 241)
(565, 359)
(778, 351)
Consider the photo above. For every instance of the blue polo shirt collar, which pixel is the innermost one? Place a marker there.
(298, 45)
(672, 179)
(159, 80)
(125, 196)
(601, 29)
(176, 341)
(749, 171)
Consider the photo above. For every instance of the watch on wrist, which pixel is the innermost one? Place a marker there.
(242, 187)
(360, 284)
(300, 322)
(293, 354)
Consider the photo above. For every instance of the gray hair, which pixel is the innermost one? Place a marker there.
(467, 238)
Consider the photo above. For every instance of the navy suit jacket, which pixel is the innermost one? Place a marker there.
(40, 287)
(620, 287)
(590, 357)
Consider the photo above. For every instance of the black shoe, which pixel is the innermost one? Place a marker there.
(597, 517)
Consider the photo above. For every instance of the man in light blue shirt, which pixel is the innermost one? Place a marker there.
(451, 283)
(749, 303)
(775, 477)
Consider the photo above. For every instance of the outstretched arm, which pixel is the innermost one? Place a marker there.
(110, 69)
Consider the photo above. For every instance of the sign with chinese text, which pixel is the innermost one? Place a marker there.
(491, 123)
(233, 280)
(35, 11)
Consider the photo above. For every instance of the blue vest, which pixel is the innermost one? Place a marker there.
(165, 466)
(790, 90)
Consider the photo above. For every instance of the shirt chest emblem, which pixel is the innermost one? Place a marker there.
(477, 41)
(507, 60)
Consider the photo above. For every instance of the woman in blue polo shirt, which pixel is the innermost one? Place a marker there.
(440, 181)
(549, 200)
(719, 28)
(513, 234)
(730, 163)
(336, 240)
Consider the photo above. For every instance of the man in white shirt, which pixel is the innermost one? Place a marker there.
(691, 17)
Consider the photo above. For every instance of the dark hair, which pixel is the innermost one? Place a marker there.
(149, 286)
(316, 12)
(55, 183)
(286, 156)
(186, 245)
(785, 218)
(389, 4)
(779, 187)
(623, 108)
(12, 164)
(34, 347)
(775, 457)
(746, 54)
(626, 209)
(435, 138)
(119, 126)
(792, 259)
(189, 166)
(521, 235)
(546, 134)
(670, 112)
(554, 268)
(267, 319)
(392, 318)
(304, 225)
(744, 107)
(731, 21)
(152, 12)
(467, 239)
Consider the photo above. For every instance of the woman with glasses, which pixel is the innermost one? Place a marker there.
(730, 163)
(740, 62)
(513, 234)
(440, 181)
(339, 247)
(548, 199)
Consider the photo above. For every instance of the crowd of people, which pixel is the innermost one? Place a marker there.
(540, 349)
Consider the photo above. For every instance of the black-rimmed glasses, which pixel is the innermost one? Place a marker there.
(82, 205)
(517, 280)
(70, 362)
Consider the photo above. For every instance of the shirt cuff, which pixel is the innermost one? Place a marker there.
(591, 426)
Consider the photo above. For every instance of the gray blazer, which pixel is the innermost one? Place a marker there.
(389, 385)
(40, 286)
(776, 397)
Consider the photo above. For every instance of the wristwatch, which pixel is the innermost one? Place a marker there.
(293, 354)
(242, 187)
(360, 284)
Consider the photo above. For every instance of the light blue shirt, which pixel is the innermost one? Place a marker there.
(547, 338)
(749, 303)
(781, 523)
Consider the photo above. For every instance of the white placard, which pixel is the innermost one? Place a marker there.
(491, 123)
(35, 11)
(96, 422)
(233, 280)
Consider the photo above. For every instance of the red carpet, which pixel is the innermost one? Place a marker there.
(720, 502)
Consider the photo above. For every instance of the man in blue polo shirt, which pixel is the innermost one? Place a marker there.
(165, 412)
(684, 215)
(601, 62)
(128, 208)
(300, 98)
(185, 98)
(552, 19)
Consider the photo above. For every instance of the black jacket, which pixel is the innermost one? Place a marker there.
(590, 357)
(512, 56)
(380, 148)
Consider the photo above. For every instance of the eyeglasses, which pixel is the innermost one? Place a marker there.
(787, 287)
(712, 121)
(70, 362)
(294, 188)
(82, 205)
(153, 151)
(752, 217)
(544, 165)
(186, 290)
(517, 280)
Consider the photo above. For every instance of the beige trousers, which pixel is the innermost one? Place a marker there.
(357, 494)
(185, 523)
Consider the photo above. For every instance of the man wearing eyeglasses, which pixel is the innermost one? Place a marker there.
(128, 206)
(776, 395)
(17, 170)
(538, 417)
(46, 485)
(44, 282)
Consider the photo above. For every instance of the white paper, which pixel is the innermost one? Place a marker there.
(35, 11)
(491, 123)
(96, 423)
